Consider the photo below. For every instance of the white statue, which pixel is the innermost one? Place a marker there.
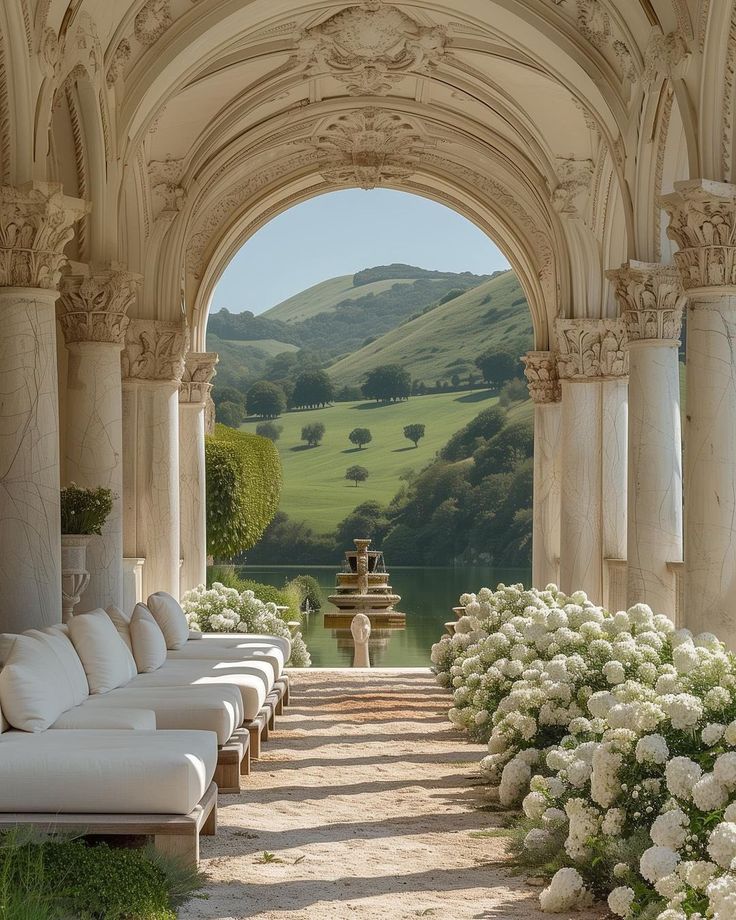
(360, 627)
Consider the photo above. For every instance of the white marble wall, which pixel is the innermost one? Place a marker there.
(547, 490)
(30, 533)
(192, 496)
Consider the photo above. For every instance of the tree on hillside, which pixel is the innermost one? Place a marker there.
(228, 394)
(230, 414)
(466, 441)
(356, 474)
(360, 436)
(312, 388)
(367, 519)
(313, 434)
(269, 430)
(387, 383)
(265, 400)
(497, 366)
(348, 394)
(414, 433)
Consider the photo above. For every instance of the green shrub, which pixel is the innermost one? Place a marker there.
(243, 489)
(84, 511)
(309, 590)
(232, 577)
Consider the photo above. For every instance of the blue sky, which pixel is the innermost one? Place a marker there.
(343, 232)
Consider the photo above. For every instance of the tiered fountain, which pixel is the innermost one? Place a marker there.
(362, 587)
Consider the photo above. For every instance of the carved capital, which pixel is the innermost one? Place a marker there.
(540, 369)
(36, 223)
(199, 369)
(703, 224)
(93, 307)
(650, 298)
(591, 348)
(155, 350)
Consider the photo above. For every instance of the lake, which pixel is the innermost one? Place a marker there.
(427, 598)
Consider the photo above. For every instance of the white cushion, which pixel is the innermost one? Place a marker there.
(149, 645)
(121, 622)
(208, 651)
(170, 617)
(107, 660)
(117, 717)
(105, 772)
(40, 680)
(244, 640)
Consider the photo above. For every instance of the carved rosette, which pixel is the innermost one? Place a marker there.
(196, 382)
(154, 350)
(94, 307)
(540, 369)
(703, 224)
(36, 222)
(650, 297)
(591, 348)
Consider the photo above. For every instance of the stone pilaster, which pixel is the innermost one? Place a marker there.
(544, 388)
(650, 298)
(703, 224)
(593, 365)
(152, 365)
(93, 314)
(194, 395)
(36, 223)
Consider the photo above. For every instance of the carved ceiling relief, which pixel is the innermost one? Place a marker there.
(573, 192)
(167, 194)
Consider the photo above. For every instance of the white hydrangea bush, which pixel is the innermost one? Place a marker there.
(223, 609)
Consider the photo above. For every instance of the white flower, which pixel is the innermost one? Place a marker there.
(724, 770)
(614, 672)
(620, 900)
(620, 870)
(722, 844)
(652, 749)
(565, 892)
(534, 805)
(712, 733)
(658, 861)
(681, 774)
(613, 822)
(684, 710)
(670, 829)
(722, 895)
(708, 794)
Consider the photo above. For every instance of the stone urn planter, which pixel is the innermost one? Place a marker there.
(74, 574)
(83, 514)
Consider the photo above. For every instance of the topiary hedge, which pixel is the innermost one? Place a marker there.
(243, 489)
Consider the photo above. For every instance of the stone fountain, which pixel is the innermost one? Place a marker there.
(363, 587)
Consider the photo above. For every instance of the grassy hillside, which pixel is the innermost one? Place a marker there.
(448, 338)
(315, 489)
(243, 359)
(325, 296)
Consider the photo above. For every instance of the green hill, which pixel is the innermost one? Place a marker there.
(324, 298)
(243, 360)
(448, 338)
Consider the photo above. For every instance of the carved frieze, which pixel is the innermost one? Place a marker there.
(663, 55)
(369, 48)
(94, 307)
(152, 20)
(650, 298)
(196, 381)
(571, 195)
(540, 370)
(591, 348)
(155, 350)
(120, 58)
(703, 224)
(36, 222)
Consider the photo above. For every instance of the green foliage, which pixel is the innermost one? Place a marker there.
(360, 437)
(230, 414)
(467, 440)
(221, 394)
(497, 366)
(233, 576)
(348, 394)
(400, 270)
(367, 520)
(504, 450)
(309, 590)
(246, 326)
(269, 430)
(265, 399)
(296, 541)
(313, 434)
(312, 388)
(356, 474)
(515, 391)
(243, 489)
(451, 295)
(387, 383)
(414, 433)
(84, 511)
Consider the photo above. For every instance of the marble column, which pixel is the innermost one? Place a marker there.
(93, 315)
(703, 224)
(592, 366)
(544, 388)
(36, 223)
(194, 394)
(650, 297)
(152, 366)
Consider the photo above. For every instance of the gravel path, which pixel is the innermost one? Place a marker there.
(365, 805)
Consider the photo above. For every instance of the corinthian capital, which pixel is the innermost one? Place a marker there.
(703, 224)
(36, 223)
(591, 348)
(93, 307)
(650, 297)
(540, 369)
(154, 350)
(199, 369)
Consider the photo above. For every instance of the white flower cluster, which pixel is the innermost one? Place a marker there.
(223, 609)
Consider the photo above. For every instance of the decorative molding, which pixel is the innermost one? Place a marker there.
(119, 59)
(199, 369)
(93, 307)
(6, 133)
(664, 55)
(571, 195)
(594, 23)
(703, 225)
(36, 222)
(664, 125)
(591, 348)
(167, 194)
(152, 20)
(729, 87)
(540, 370)
(650, 297)
(154, 350)
(369, 48)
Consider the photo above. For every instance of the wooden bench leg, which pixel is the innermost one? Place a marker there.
(245, 762)
(209, 828)
(182, 847)
(254, 730)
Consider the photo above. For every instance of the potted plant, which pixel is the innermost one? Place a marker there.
(83, 515)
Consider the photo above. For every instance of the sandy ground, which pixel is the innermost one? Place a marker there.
(364, 805)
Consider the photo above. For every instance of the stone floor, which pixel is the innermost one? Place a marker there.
(366, 805)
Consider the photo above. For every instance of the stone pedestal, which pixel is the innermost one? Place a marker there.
(544, 388)
(193, 396)
(153, 363)
(93, 314)
(703, 224)
(650, 298)
(35, 225)
(592, 367)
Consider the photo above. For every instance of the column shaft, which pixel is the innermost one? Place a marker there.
(614, 438)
